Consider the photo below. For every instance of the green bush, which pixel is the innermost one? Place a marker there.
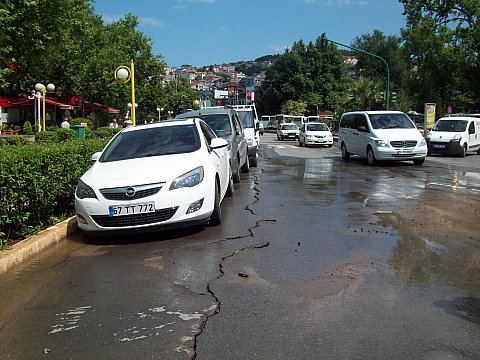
(37, 183)
(105, 132)
(16, 140)
(64, 134)
(27, 128)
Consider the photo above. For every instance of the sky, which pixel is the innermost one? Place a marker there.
(207, 32)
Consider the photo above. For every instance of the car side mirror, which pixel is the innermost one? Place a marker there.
(96, 156)
(218, 143)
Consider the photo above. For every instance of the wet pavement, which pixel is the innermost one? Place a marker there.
(316, 259)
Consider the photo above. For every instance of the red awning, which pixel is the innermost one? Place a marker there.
(4, 102)
(113, 111)
(30, 101)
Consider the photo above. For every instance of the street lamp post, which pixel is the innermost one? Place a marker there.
(43, 90)
(123, 75)
(159, 109)
(387, 99)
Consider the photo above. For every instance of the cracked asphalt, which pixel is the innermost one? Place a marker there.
(316, 259)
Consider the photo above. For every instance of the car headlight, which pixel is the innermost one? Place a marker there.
(422, 143)
(457, 137)
(381, 143)
(190, 179)
(84, 191)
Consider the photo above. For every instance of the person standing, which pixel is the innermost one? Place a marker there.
(65, 124)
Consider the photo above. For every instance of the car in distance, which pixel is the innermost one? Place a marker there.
(454, 135)
(250, 125)
(315, 133)
(226, 124)
(163, 175)
(381, 135)
(287, 131)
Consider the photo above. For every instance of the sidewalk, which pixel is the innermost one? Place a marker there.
(27, 248)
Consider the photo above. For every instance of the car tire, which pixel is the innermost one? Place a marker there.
(371, 157)
(419, 161)
(246, 165)
(345, 153)
(236, 173)
(254, 160)
(478, 152)
(216, 217)
(230, 188)
(464, 150)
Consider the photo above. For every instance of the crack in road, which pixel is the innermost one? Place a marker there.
(235, 253)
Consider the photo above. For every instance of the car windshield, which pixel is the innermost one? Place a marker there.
(154, 141)
(289, 127)
(246, 118)
(451, 125)
(391, 121)
(317, 127)
(219, 123)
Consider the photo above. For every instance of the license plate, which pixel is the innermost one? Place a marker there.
(404, 151)
(438, 146)
(119, 210)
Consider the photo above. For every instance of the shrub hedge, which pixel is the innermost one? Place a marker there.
(38, 180)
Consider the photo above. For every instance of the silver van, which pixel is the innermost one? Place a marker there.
(226, 124)
(381, 135)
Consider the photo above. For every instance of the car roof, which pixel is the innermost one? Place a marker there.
(458, 117)
(372, 112)
(171, 122)
(206, 111)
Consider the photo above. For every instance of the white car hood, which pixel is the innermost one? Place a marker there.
(318, 133)
(148, 170)
(443, 135)
(399, 134)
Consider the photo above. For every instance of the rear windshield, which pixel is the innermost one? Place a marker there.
(156, 141)
(391, 121)
(451, 125)
(317, 127)
(219, 123)
(246, 118)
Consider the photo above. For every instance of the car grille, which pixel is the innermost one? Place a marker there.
(121, 193)
(136, 219)
(404, 144)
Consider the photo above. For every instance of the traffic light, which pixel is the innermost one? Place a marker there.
(393, 96)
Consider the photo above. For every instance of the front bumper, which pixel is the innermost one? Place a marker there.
(451, 147)
(382, 153)
(319, 141)
(170, 211)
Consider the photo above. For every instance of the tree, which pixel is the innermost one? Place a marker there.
(294, 107)
(314, 73)
(442, 38)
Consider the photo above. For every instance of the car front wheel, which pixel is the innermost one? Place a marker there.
(371, 157)
(345, 153)
(216, 217)
(236, 173)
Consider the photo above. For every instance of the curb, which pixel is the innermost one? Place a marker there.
(27, 248)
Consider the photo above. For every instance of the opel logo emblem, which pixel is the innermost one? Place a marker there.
(130, 192)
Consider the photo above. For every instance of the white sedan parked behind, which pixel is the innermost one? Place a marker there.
(315, 134)
(163, 175)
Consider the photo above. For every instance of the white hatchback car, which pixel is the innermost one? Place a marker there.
(163, 175)
(315, 134)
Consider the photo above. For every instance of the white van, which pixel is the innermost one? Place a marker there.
(381, 135)
(454, 135)
(251, 129)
